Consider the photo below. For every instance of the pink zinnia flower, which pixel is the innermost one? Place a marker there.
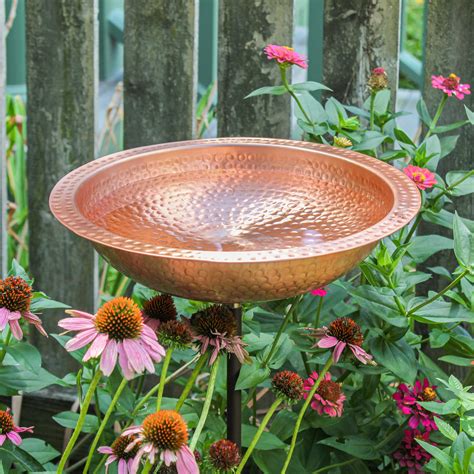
(410, 454)
(378, 79)
(15, 301)
(407, 402)
(214, 329)
(378, 70)
(164, 433)
(116, 331)
(117, 452)
(451, 85)
(159, 309)
(342, 333)
(329, 397)
(422, 177)
(285, 56)
(9, 430)
(319, 292)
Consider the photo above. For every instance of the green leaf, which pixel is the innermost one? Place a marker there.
(456, 360)
(448, 408)
(251, 375)
(423, 112)
(370, 141)
(335, 111)
(309, 86)
(41, 451)
(356, 446)
(401, 136)
(470, 114)
(448, 128)
(463, 244)
(26, 355)
(17, 270)
(448, 144)
(312, 107)
(424, 246)
(439, 455)
(266, 442)
(270, 90)
(41, 303)
(68, 419)
(284, 347)
(21, 457)
(446, 429)
(25, 380)
(382, 101)
(438, 338)
(464, 188)
(440, 312)
(396, 356)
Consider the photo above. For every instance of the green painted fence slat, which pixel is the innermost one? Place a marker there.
(62, 85)
(245, 27)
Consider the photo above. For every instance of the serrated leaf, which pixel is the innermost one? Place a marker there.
(439, 455)
(446, 429)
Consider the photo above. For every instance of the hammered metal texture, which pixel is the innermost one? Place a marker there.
(235, 219)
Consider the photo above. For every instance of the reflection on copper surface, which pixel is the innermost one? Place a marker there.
(235, 219)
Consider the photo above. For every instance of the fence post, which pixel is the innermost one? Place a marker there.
(160, 71)
(3, 174)
(358, 36)
(443, 56)
(245, 27)
(62, 86)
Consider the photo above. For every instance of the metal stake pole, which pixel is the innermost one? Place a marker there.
(234, 397)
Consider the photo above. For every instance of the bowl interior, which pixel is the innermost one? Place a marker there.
(234, 198)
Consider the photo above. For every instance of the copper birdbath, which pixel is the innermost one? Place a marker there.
(234, 220)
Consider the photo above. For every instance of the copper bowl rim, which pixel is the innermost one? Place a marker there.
(407, 202)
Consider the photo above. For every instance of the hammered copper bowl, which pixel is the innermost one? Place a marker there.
(235, 219)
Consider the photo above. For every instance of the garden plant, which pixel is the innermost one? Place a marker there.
(353, 377)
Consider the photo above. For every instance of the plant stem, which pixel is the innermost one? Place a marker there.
(80, 421)
(318, 312)
(189, 384)
(439, 110)
(333, 466)
(6, 342)
(207, 405)
(372, 109)
(441, 293)
(452, 186)
(162, 383)
(412, 229)
(258, 434)
(102, 426)
(303, 411)
(280, 331)
(147, 467)
(99, 466)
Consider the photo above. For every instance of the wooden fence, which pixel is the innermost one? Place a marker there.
(160, 95)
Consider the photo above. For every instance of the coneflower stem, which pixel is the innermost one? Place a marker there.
(102, 426)
(5, 344)
(80, 421)
(161, 386)
(189, 384)
(258, 434)
(207, 405)
(147, 467)
(303, 411)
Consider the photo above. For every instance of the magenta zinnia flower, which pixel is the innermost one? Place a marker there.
(422, 177)
(214, 329)
(410, 454)
(8, 430)
(342, 333)
(319, 292)
(164, 433)
(117, 452)
(115, 331)
(329, 397)
(15, 301)
(407, 402)
(451, 85)
(285, 56)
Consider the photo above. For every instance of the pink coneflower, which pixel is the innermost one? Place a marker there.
(164, 433)
(451, 85)
(117, 452)
(214, 329)
(407, 402)
(410, 454)
(9, 430)
(15, 301)
(329, 397)
(319, 292)
(340, 333)
(285, 56)
(159, 309)
(116, 331)
(224, 456)
(422, 177)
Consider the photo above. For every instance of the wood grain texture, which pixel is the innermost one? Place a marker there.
(451, 20)
(62, 85)
(360, 35)
(245, 28)
(3, 174)
(160, 71)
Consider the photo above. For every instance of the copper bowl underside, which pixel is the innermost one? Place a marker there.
(235, 219)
